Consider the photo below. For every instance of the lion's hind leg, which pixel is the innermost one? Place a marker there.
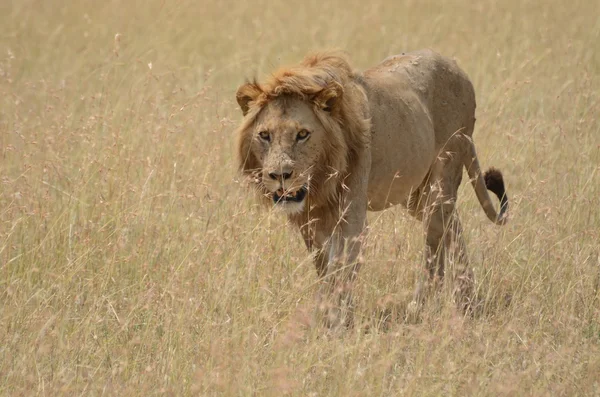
(444, 245)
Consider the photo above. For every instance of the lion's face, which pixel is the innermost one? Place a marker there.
(287, 142)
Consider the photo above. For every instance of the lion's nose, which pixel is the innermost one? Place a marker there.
(280, 175)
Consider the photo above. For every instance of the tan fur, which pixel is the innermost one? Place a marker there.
(398, 133)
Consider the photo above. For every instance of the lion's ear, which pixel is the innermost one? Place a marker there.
(247, 93)
(328, 98)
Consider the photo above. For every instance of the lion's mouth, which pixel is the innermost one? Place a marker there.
(281, 196)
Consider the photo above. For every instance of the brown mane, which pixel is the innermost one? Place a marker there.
(327, 81)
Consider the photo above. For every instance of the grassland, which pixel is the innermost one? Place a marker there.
(133, 262)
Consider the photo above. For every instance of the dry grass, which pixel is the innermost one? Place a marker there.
(133, 263)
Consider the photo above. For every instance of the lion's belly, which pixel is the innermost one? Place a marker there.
(394, 175)
(402, 147)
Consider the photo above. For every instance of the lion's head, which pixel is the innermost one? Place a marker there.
(301, 131)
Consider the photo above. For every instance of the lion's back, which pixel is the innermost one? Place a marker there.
(442, 85)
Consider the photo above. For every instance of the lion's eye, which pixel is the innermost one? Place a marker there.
(265, 136)
(302, 135)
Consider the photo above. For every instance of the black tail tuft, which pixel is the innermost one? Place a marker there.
(495, 183)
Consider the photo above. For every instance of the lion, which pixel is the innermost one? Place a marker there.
(325, 144)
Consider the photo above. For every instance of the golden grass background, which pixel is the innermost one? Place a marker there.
(133, 262)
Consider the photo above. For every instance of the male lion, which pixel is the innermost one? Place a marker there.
(325, 144)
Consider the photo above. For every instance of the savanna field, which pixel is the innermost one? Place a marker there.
(134, 261)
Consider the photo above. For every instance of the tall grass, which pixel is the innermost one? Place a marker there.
(133, 262)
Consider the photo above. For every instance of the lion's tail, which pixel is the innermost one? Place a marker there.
(492, 180)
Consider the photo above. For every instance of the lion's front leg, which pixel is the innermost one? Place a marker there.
(337, 236)
(337, 263)
(336, 244)
(335, 299)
